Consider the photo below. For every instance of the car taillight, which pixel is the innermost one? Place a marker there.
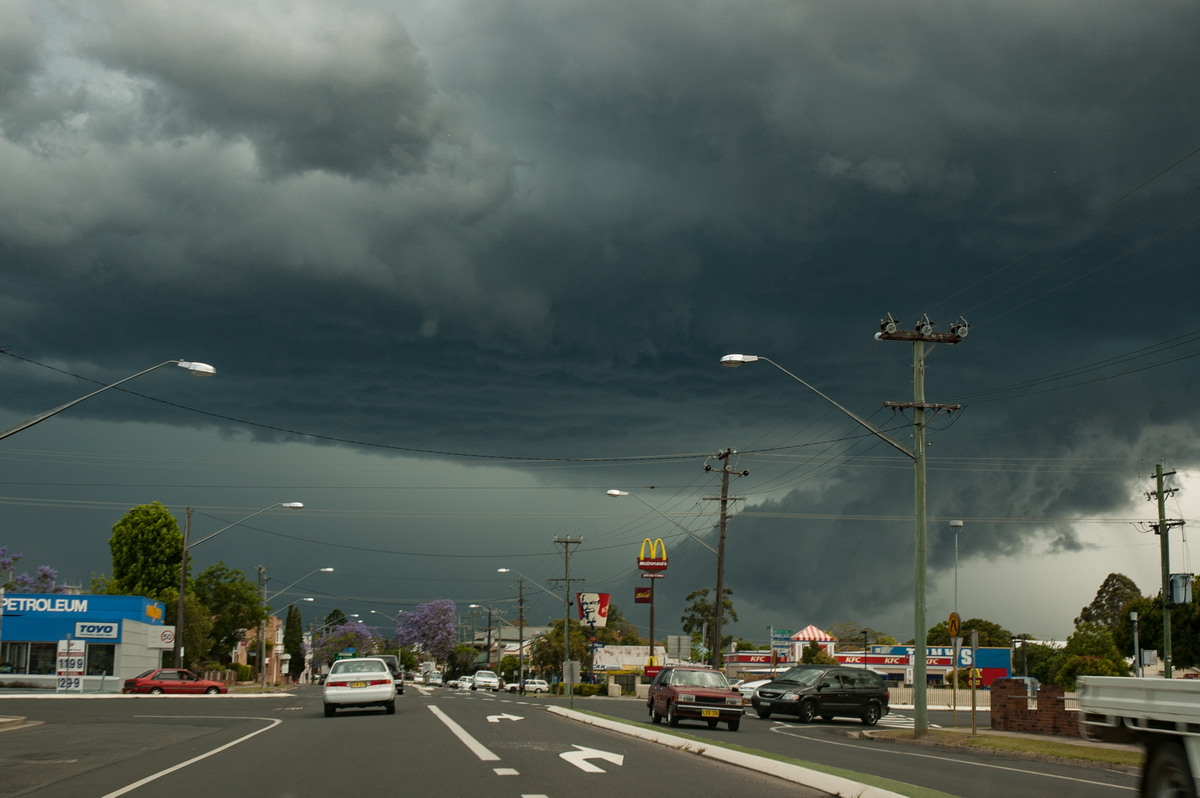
(374, 682)
(335, 683)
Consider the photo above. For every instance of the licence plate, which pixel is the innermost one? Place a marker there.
(709, 713)
(358, 684)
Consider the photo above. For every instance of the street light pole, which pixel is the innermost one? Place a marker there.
(923, 333)
(183, 566)
(197, 369)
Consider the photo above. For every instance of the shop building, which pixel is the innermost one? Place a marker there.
(123, 636)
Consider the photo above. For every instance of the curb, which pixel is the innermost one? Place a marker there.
(833, 785)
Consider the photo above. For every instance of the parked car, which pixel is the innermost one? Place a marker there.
(172, 680)
(747, 688)
(681, 692)
(359, 682)
(827, 692)
(397, 671)
(531, 686)
(433, 679)
(485, 680)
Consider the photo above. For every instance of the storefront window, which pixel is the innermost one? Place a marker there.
(14, 658)
(100, 658)
(41, 657)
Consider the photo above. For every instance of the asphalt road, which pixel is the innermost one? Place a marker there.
(836, 744)
(439, 743)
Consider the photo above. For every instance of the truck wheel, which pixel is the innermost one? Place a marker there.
(1167, 774)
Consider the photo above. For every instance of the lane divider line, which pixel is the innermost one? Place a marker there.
(476, 747)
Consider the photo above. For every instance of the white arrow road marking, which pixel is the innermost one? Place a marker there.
(580, 758)
(477, 748)
(505, 716)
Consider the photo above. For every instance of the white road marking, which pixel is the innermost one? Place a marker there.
(476, 747)
(141, 782)
(580, 758)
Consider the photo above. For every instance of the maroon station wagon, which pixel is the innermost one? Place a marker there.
(172, 680)
(682, 692)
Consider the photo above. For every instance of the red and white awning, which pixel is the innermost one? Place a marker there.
(811, 634)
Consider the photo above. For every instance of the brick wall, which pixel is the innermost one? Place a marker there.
(1011, 712)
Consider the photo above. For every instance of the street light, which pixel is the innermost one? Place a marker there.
(521, 578)
(262, 628)
(198, 369)
(1137, 652)
(956, 527)
(183, 563)
(917, 455)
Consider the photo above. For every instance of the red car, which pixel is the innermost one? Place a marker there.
(172, 680)
(682, 692)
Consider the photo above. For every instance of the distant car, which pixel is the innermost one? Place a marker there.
(485, 680)
(394, 666)
(172, 680)
(433, 679)
(827, 692)
(359, 682)
(681, 692)
(531, 686)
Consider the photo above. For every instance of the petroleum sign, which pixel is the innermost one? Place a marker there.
(657, 561)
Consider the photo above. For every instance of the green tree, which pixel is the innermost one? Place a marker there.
(197, 638)
(1090, 651)
(147, 548)
(991, 635)
(546, 652)
(619, 630)
(1038, 660)
(1108, 608)
(233, 603)
(293, 640)
(850, 635)
(699, 614)
(814, 654)
(335, 618)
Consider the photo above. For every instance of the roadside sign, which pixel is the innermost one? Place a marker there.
(953, 624)
(69, 666)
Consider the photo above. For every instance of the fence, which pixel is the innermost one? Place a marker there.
(945, 698)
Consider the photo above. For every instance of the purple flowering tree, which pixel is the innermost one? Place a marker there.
(357, 636)
(45, 580)
(429, 628)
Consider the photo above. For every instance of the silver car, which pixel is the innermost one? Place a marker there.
(360, 682)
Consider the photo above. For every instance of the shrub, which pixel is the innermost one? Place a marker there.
(245, 673)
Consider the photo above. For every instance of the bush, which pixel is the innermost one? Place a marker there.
(245, 673)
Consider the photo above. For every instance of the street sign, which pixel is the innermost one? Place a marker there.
(953, 624)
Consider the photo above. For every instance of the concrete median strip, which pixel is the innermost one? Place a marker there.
(834, 785)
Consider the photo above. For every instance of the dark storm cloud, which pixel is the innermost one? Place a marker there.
(507, 228)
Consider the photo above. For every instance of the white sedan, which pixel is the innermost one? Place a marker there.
(360, 682)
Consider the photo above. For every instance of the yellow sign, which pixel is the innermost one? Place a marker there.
(657, 561)
(954, 624)
(154, 611)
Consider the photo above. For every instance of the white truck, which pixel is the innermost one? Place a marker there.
(1162, 715)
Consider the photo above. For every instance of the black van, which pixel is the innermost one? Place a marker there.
(810, 692)
(394, 666)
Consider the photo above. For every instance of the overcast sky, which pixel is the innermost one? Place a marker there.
(463, 266)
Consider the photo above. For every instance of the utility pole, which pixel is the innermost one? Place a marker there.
(568, 681)
(719, 599)
(1162, 528)
(262, 628)
(183, 569)
(521, 635)
(889, 331)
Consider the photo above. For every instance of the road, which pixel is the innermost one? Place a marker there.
(439, 743)
(948, 771)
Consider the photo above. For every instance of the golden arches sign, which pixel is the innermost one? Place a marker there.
(657, 561)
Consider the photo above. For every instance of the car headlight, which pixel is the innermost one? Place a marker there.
(687, 698)
(734, 701)
(790, 697)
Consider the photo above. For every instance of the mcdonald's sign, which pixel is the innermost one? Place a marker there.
(643, 595)
(657, 561)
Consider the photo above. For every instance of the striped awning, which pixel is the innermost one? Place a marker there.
(810, 634)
